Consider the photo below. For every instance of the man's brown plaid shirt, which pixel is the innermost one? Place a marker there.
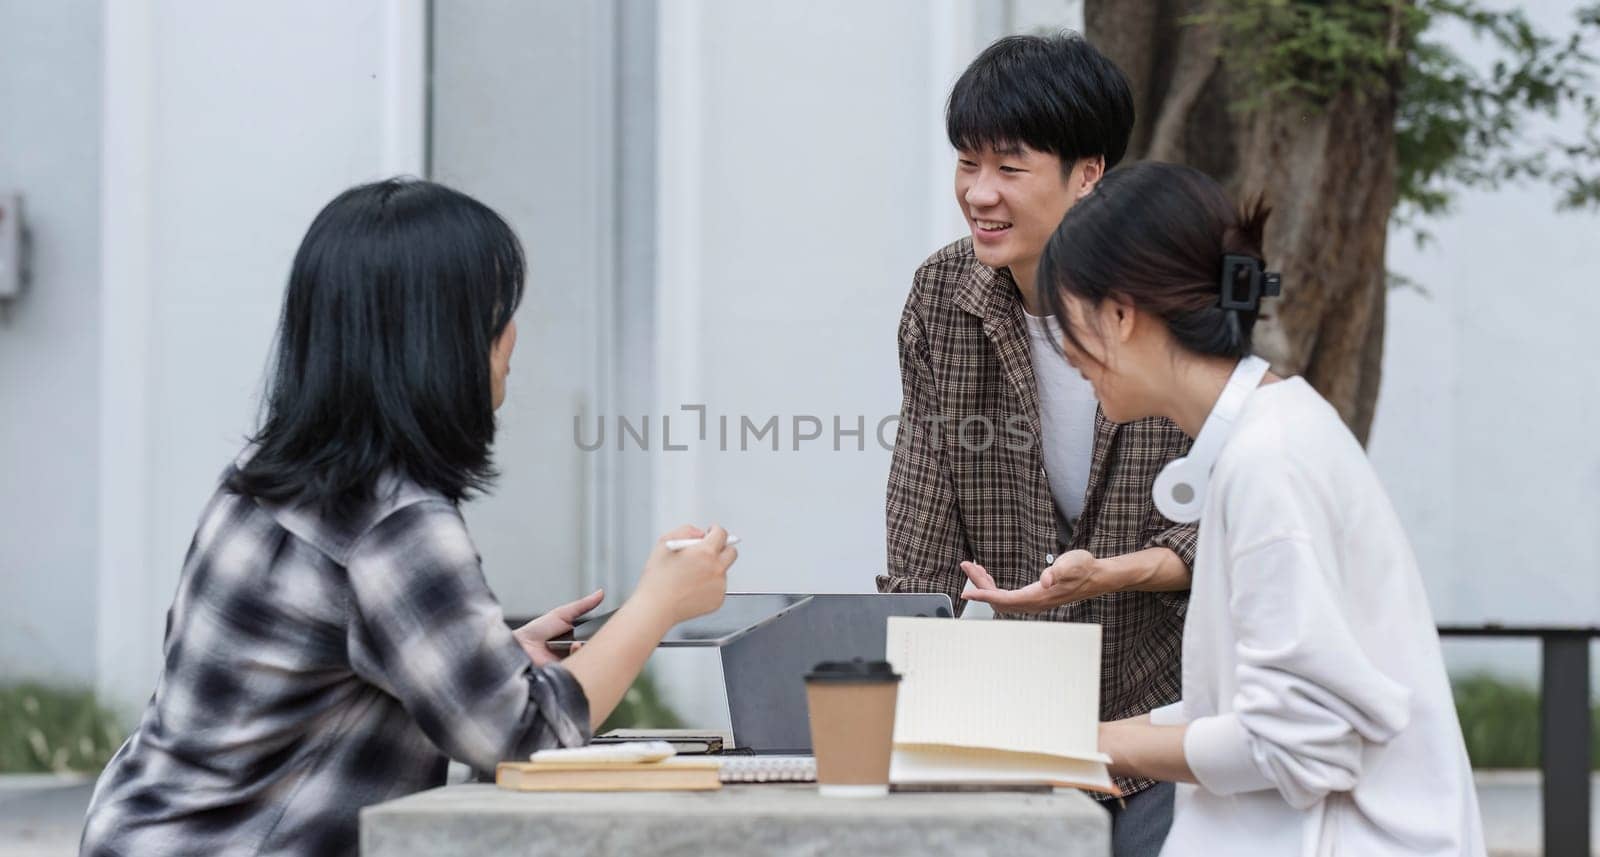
(968, 480)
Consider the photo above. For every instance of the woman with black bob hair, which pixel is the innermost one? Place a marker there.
(1316, 715)
(333, 639)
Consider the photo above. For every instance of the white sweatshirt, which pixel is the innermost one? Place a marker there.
(1320, 718)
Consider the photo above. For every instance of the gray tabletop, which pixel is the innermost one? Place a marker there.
(485, 821)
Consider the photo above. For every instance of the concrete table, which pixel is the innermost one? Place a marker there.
(783, 819)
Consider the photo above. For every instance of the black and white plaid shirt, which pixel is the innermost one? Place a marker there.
(313, 669)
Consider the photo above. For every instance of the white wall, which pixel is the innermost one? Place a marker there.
(227, 126)
(803, 177)
(49, 340)
(1485, 426)
(522, 116)
(1484, 431)
(801, 274)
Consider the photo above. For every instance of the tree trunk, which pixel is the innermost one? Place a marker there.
(1328, 172)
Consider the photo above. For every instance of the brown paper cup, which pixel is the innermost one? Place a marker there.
(851, 707)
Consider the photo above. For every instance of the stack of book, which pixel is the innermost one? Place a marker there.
(637, 766)
(679, 773)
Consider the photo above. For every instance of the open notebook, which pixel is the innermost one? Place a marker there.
(997, 702)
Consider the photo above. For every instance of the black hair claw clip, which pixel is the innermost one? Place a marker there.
(1245, 283)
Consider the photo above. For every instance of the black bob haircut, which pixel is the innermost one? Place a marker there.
(1154, 234)
(1055, 94)
(395, 299)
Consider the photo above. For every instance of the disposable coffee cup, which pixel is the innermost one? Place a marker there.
(851, 705)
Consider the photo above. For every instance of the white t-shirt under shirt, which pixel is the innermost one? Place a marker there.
(1320, 719)
(1066, 417)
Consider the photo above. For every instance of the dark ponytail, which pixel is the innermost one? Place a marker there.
(1156, 235)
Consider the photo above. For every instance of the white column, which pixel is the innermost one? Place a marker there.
(680, 153)
(123, 675)
(405, 86)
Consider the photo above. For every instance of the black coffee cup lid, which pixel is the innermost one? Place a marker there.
(856, 670)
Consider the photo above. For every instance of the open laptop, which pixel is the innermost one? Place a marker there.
(765, 669)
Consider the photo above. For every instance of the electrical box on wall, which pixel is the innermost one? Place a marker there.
(10, 245)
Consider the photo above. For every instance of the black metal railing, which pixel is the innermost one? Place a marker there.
(1564, 727)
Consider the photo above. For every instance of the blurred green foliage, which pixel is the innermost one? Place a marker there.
(1500, 721)
(642, 708)
(47, 729)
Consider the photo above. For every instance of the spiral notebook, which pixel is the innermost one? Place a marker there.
(769, 769)
(676, 773)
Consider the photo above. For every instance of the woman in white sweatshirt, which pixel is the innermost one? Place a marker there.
(1316, 716)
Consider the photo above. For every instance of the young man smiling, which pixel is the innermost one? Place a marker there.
(1052, 517)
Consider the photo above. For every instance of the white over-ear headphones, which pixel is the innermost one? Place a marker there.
(1180, 489)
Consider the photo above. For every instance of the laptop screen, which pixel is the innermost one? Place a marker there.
(740, 612)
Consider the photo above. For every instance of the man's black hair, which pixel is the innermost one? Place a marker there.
(1053, 93)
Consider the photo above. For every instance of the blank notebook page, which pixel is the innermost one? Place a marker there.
(1027, 687)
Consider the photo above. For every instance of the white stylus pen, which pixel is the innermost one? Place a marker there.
(680, 544)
